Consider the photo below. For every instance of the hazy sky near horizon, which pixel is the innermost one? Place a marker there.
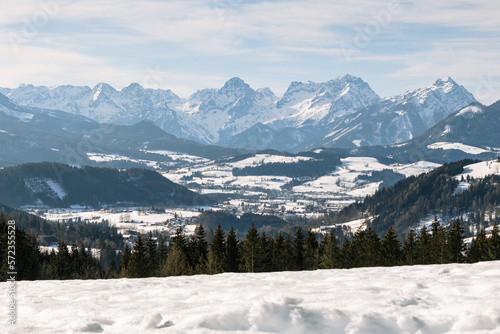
(188, 45)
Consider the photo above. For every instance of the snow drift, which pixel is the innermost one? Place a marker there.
(420, 299)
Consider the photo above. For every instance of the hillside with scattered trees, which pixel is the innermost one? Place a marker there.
(58, 185)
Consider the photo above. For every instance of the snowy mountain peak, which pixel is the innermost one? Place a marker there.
(446, 79)
(342, 109)
(266, 95)
(347, 78)
(235, 83)
(133, 86)
(134, 90)
(330, 91)
(237, 88)
(102, 88)
(446, 84)
(23, 85)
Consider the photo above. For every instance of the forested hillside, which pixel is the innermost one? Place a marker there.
(59, 185)
(320, 165)
(410, 200)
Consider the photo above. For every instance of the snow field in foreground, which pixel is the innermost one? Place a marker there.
(420, 299)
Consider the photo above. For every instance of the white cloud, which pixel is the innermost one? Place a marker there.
(201, 43)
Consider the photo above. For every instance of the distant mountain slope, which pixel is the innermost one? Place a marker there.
(475, 125)
(355, 117)
(29, 134)
(59, 185)
(102, 103)
(399, 118)
(471, 132)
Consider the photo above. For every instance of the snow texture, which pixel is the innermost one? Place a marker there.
(421, 299)
(344, 180)
(457, 146)
(480, 170)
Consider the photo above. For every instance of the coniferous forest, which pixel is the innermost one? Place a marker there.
(257, 252)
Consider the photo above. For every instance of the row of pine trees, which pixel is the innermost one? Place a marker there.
(256, 253)
(260, 253)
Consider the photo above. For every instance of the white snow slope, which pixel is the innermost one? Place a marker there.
(420, 299)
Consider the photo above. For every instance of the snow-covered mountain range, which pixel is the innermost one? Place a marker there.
(344, 112)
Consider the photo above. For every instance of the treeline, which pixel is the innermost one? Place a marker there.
(260, 253)
(211, 219)
(255, 253)
(30, 263)
(102, 236)
(412, 199)
(302, 168)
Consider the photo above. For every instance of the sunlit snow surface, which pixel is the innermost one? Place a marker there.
(419, 299)
(480, 170)
(344, 180)
(457, 146)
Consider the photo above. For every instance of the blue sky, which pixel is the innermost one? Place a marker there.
(192, 44)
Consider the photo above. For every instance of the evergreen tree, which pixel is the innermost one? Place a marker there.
(391, 249)
(349, 254)
(111, 271)
(91, 268)
(278, 253)
(494, 244)
(163, 252)
(298, 250)
(423, 247)
(125, 262)
(456, 242)
(438, 249)
(152, 257)
(198, 247)
(80, 260)
(232, 257)
(27, 253)
(410, 249)
(330, 256)
(371, 249)
(179, 240)
(177, 262)
(251, 250)
(288, 254)
(311, 251)
(138, 260)
(267, 247)
(216, 257)
(478, 250)
(61, 267)
(354, 250)
(28, 256)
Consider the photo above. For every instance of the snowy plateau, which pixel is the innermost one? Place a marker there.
(452, 298)
(343, 112)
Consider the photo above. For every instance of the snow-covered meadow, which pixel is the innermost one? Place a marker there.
(420, 299)
(342, 183)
